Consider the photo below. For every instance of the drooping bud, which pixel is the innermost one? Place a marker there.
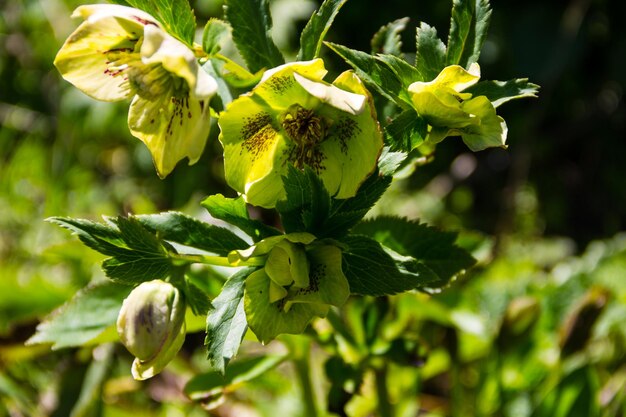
(151, 324)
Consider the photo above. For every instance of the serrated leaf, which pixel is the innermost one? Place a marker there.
(215, 32)
(307, 203)
(499, 92)
(406, 131)
(197, 299)
(180, 228)
(226, 323)
(175, 15)
(344, 214)
(430, 55)
(406, 73)
(252, 23)
(143, 259)
(211, 384)
(387, 40)
(372, 270)
(375, 73)
(88, 314)
(136, 254)
(316, 28)
(468, 30)
(309, 208)
(234, 211)
(434, 248)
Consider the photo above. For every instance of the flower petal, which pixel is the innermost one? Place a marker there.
(279, 89)
(97, 56)
(267, 320)
(94, 12)
(456, 77)
(172, 128)
(340, 99)
(328, 284)
(253, 148)
(353, 144)
(160, 48)
(492, 130)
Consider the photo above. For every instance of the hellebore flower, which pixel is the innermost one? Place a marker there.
(301, 279)
(450, 112)
(120, 53)
(151, 324)
(293, 117)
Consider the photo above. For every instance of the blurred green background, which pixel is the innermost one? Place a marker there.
(543, 217)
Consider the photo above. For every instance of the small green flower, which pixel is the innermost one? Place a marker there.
(301, 279)
(293, 117)
(450, 112)
(122, 53)
(151, 324)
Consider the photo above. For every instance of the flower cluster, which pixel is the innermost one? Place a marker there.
(291, 118)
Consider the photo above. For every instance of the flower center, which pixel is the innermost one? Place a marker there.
(152, 82)
(307, 130)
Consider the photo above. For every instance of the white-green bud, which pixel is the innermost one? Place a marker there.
(151, 324)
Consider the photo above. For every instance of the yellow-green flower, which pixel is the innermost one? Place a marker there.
(151, 324)
(450, 112)
(301, 279)
(122, 53)
(293, 117)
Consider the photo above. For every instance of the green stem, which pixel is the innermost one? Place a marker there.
(218, 260)
(303, 371)
(385, 408)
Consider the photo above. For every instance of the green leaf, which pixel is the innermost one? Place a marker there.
(143, 258)
(175, 15)
(499, 92)
(234, 211)
(372, 270)
(213, 67)
(137, 255)
(307, 203)
(406, 73)
(180, 228)
(197, 299)
(406, 132)
(430, 246)
(344, 214)
(87, 315)
(309, 208)
(215, 32)
(252, 23)
(375, 73)
(315, 30)
(387, 40)
(430, 56)
(226, 324)
(210, 385)
(468, 30)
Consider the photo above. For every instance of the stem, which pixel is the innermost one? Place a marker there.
(385, 408)
(303, 371)
(218, 260)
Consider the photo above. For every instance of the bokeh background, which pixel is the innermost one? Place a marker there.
(544, 217)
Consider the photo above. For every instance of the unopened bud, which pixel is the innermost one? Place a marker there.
(151, 324)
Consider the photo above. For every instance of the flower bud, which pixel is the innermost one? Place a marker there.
(151, 324)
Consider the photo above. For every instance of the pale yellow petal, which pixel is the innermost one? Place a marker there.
(97, 56)
(160, 48)
(172, 128)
